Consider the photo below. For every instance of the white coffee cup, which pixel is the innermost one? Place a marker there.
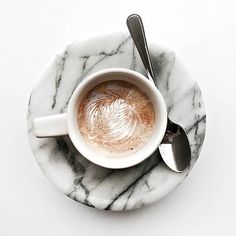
(67, 124)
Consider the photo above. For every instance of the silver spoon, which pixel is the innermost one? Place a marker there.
(175, 148)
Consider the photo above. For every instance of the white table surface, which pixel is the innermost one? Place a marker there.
(202, 32)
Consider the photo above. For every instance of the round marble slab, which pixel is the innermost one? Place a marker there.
(84, 181)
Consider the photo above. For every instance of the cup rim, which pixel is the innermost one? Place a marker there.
(131, 159)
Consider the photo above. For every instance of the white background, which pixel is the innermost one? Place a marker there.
(202, 32)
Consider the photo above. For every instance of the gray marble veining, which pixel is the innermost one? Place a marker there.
(84, 181)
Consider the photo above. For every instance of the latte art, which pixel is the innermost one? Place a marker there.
(115, 120)
(116, 117)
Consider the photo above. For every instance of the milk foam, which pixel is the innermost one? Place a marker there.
(116, 117)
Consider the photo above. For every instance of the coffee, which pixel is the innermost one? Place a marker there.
(116, 117)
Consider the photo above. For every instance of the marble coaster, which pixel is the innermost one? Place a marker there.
(84, 181)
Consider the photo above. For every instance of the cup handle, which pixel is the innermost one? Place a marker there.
(50, 126)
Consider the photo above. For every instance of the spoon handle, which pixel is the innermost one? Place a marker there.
(136, 29)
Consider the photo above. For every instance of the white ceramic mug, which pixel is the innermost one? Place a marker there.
(66, 123)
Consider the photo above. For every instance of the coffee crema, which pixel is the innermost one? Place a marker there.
(116, 117)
